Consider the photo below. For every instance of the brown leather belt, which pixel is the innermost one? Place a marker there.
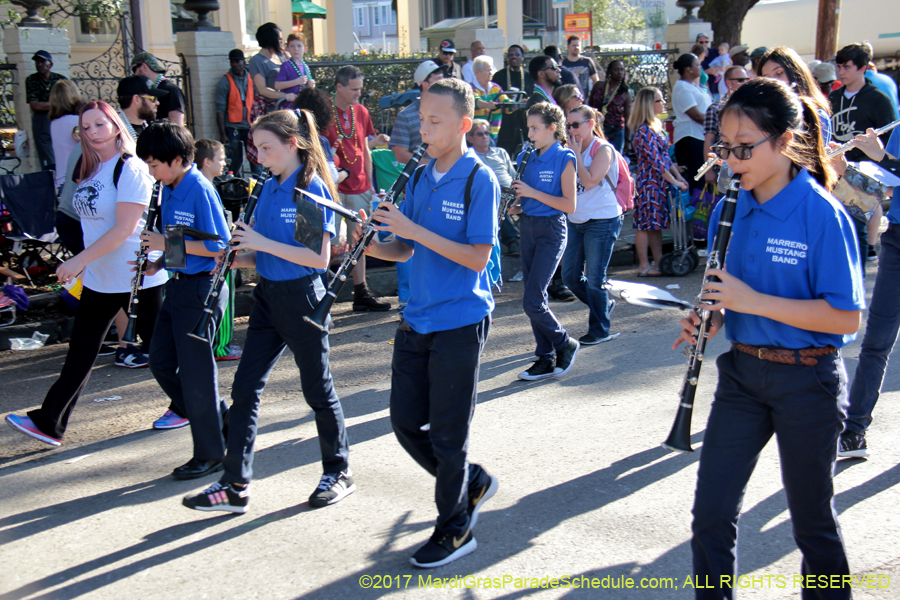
(787, 357)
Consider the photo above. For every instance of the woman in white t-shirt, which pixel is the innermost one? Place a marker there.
(594, 226)
(690, 102)
(65, 104)
(112, 216)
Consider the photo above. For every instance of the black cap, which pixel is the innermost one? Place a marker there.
(42, 54)
(447, 46)
(138, 84)
(236, 54)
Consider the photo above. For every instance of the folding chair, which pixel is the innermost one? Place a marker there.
(29, 205)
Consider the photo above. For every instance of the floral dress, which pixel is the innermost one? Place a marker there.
(651, 207)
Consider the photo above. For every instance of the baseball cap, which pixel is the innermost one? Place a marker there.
(737, 50)
(424, 70)
(700, 35)
(757, 53)
(236, 54)
(138, 84)
(447, 46)
(42, 54)
(145, 58)
(824, 72)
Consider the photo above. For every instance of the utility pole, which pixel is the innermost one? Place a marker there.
(827, 31)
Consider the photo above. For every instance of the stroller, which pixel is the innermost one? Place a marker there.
(683, 258)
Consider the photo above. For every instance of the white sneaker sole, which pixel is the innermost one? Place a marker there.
(524, 376)
(492, 489)
(862, 453)
(238, 510)
(166, 427)
(462, 551)
(39, 437)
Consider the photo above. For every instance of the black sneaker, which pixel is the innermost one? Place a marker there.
(480, 494)
(107, 350)
(131, 357)
(443, 548)
(541, 369)
(593, 340)
(557, 291)
(333, 487)
(853, 445)
(565, 359)
(221, 497)
(365, 301)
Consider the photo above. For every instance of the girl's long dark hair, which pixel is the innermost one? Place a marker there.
(286, 124)
(551, 114)
(775, 109)
(798, 74)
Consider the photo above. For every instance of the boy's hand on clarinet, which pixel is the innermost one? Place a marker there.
(391, 219)
(153, 241)
(730, 293)
(690, 324)
(243, 236)
(150, 267)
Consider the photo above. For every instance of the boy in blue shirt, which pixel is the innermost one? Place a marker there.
(184, 366)
(449, 219)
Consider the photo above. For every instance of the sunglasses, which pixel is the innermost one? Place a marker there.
(148, 97)
(741, 79)
(576, 125)
(706, 42)
(742, 152)
(553, 67)
(449, 53)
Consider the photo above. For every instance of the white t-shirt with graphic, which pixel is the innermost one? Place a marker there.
(95, 202)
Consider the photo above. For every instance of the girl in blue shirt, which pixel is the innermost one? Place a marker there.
(792, 295)
(290, 287)
(546, 193)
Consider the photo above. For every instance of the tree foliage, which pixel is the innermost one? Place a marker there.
(727, 18)
(59, 12)
(614, 20)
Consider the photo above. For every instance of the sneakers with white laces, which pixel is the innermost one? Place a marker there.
(333, 487)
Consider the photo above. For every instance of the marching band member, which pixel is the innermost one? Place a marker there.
(290, 287)
(449, 219)
(792, 294)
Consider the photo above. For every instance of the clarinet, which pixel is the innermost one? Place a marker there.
(137, 284)
(508, 198)
(200, 332)
(318, 317)
(679, 439)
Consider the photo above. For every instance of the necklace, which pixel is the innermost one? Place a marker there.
(301, 69)
(540, 90)
(158, 79)
(342, 132)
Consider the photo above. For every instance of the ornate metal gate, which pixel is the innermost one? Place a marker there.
(98, 78)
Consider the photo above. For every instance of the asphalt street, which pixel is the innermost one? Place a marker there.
(585, 492)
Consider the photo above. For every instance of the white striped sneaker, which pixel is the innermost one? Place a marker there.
(333, 487)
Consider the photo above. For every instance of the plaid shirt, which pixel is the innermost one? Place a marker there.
(711, 122)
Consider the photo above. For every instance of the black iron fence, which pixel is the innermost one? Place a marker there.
(389, 76)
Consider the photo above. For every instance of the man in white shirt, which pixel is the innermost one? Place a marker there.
(477, 49)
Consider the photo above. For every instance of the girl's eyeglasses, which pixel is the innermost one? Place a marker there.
(742, 152)
(575, 125)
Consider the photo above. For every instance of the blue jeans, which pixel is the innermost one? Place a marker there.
(588, 250)
(882, 326)
(434, 380)
(543, 240)
(804, 407)
(618, 140)
(276, 323)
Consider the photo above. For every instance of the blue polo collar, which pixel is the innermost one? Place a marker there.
(186, 185)
(548, 154)
(784, 203)
(461, 169)
(289, 184)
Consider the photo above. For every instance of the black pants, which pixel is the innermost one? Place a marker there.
(40, 127)
(184, 367)
(96, 312)
(689, 154)
(276, 323)
(434, 380)
(804, 406)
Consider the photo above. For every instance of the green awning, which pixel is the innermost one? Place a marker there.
(307, 9)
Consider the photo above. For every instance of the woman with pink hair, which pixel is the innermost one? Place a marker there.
(113, 193)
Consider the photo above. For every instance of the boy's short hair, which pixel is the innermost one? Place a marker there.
(460, 91)
(858, 54)
(205, 149)
(165, 142)
(571, 39)
(296, 37)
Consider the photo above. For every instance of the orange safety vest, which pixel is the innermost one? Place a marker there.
(235, 108)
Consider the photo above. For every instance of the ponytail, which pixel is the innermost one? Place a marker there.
(810, 151)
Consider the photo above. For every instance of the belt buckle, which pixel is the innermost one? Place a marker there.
(760, 353)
